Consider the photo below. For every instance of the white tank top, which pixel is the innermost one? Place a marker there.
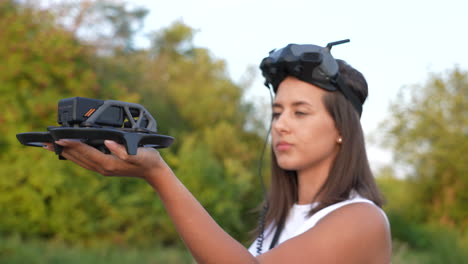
(298, 222)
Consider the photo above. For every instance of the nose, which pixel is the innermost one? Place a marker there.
(280, 123)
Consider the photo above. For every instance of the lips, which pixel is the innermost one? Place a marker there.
(283, 146)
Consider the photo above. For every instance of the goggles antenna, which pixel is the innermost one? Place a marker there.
(331, 44)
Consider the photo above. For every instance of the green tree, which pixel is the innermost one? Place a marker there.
(207, 113)
(108, 25)
(40, 64)
(186, 89)
(428, 132)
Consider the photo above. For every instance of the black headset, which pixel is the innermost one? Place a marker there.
(309, 63)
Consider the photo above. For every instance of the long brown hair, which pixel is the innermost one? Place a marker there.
(350, 169)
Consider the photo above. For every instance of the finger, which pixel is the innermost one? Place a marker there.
(86, 156)
(49, 146)
(117, 149)
(77, 154)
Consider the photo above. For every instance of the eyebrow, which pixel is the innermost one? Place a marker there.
(297, 103)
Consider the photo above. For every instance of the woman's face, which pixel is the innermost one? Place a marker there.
(304, 135)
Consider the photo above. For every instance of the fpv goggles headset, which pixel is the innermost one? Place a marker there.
(309, 63)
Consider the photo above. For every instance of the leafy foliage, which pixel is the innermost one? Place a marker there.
(429, 135)
(190, 95)
(428, 205)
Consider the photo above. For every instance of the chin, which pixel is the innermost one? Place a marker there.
(287, 165)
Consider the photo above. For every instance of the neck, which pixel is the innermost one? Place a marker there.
(310, 181)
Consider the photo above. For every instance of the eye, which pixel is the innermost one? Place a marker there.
(299, 113)
(275, 115)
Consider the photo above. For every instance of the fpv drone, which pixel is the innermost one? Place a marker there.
(92, 121)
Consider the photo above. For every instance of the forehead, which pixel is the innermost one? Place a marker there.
(292, 90)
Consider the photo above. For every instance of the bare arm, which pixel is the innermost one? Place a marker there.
(353, 234)
(206, 240)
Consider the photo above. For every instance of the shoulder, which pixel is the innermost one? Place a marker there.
(358, 230)
(351, 213)
(353, 233)
(362, 217)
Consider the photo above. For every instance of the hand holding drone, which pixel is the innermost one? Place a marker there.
(92, 121)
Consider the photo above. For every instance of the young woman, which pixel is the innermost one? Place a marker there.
(323, 205)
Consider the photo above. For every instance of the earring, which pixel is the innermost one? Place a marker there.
(340, 140)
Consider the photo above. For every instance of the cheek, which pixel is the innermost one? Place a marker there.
(319, 140)
(319, 131)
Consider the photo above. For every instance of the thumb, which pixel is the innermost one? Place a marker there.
(116, 149)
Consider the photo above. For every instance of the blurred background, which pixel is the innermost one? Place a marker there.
(193, 65)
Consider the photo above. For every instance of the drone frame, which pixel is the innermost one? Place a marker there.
(134, 128)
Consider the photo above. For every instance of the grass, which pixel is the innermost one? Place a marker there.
(402, 254)
(442, 252)
(15, 251)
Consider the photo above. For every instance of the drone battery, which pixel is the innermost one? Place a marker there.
(74, 111)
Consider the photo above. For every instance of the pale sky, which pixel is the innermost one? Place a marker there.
(393, 43)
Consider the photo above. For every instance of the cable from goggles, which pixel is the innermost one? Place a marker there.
(309, 63)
